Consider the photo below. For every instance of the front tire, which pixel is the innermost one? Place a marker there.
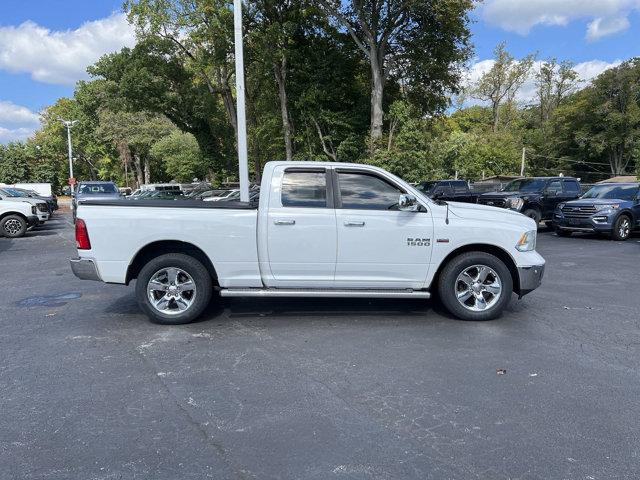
(533, 214)
(621, 228)
(173, 289)
(13, 226)
(475, 286)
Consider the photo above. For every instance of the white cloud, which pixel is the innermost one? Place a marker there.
(15, 134)
(16, 122)
(61, 57)
(586, 71)
(609, 16)
(13, 114)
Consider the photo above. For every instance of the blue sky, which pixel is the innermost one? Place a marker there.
(46, 45)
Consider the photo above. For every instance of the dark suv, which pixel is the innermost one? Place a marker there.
(612, 208)
(536, 197)
(448, 190)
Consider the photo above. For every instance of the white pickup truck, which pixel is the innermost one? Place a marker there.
(318, 230)
(16, 217)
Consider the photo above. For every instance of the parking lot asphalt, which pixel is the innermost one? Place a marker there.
(301, 389)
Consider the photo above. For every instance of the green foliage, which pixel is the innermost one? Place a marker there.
(180, 155)
(14, 165)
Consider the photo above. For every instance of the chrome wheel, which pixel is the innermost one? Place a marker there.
(171, 291)
(624, 229)
(12, 226)
(478, 288)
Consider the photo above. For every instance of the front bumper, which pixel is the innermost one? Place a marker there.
(84, 269)
(605, 224)
(529, 278)
(43, 217)
(32, 220)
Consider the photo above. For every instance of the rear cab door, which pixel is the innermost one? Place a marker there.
(299, 235)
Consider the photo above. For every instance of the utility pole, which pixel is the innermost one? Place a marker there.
(242, 120)
(524, 156)
(69, 124)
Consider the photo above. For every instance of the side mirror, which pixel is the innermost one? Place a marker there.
(408, 203)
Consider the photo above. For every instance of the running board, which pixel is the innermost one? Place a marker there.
(322, 293)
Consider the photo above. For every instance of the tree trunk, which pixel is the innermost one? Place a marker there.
(496, 115)
(147, 171)
(327, 148)
(138, 166)
(280, 71)
(377, 92)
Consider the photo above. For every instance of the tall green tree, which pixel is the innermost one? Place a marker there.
(423, 42)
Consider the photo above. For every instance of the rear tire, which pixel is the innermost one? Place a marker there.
(173, 289)
(475, 296)
(13, 226)
(622, 228)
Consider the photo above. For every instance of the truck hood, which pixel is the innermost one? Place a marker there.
(585, 202)
(32, 201)
(490, 214)
(507, 194)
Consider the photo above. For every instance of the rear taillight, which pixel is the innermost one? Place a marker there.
(82, 235)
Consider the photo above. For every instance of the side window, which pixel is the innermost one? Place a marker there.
(304, 189)
(460, 187)
(571, 186)
(362, 191)
(442, 188)
(554, 186)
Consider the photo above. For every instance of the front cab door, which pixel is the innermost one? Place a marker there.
(379, 246)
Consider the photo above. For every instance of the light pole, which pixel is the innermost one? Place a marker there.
(69, 124)
(242, 121)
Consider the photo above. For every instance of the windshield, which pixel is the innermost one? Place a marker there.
(10, 192)
(97, 188)
(617, 192)
(525, 185)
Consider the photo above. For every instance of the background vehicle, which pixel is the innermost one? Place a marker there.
(52, 200)
(319, 230)
(94, 190)
(612, 208)
(448, 190)
(222, 195)
(16, 218)
(42, 208)
(536, 197)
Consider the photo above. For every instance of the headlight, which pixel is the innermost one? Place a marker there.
(612, 206)
(515, 203)
(527, 241)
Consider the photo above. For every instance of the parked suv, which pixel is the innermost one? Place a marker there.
(537, 197)
(612, 208)
(448, 190)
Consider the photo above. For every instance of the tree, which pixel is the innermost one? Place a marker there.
(554, 83)
(500, 84)
(14, 166)
(180, 155)
(426, 40)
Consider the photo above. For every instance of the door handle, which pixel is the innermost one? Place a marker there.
(353, 224)
(285, 222)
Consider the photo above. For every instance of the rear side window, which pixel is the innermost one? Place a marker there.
(571, 186)
(367, 192)
(304, 189)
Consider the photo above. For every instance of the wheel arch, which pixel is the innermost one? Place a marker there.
(162, 247)
(494, 250)
(17, 214)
